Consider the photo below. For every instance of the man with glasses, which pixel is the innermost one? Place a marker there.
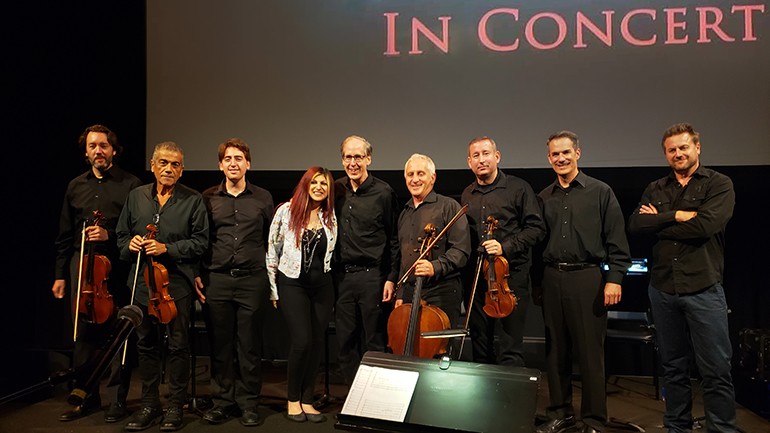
(182, 237)
(366, 256)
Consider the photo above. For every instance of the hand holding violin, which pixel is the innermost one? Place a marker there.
(151, 246)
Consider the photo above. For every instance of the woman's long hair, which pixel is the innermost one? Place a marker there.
(299, 209)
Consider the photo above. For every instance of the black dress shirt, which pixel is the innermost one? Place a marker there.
(513, 203)
(183, 225)
(450, 253)
(238, 228)
(585, 225)
(85, 194)
(688, 256)
(366, 220)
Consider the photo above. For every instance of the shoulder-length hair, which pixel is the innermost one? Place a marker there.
(299, 209)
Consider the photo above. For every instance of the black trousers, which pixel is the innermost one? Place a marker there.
(359, 318)
(151, 349)
(509, 329)
(236, 308)
(307, 307)
(93, 336)
(575, 327)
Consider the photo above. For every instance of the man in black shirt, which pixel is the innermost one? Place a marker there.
(234, 279)
(179, 214)
(520, 225)
(441, 269)
(687, 212)
(366, 256)
(103, 187)
(586, 230)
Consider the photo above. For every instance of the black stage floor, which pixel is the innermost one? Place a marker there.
(630, 400)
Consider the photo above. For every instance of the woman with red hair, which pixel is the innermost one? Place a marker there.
(299, 254)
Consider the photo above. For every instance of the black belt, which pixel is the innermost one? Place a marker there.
(567, 267)
(235, 272)
(356, 268)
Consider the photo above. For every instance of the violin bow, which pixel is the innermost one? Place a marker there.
(80, 282)
(133, 293)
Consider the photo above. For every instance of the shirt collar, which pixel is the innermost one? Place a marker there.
(431, 198)
(105, 175)
(499, 182)
(363, 187)
(222, 190)
(699, 172)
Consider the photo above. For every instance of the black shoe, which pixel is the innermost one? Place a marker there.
(588, 429)
(172, 420)
(315, 417)
(144, 419)
(218, 414)
(84, 409)
(116, 412)
(557, 425)
(250, 417)
(300, 417)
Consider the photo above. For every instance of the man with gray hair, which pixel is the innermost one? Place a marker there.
(441, 268)
(182, 223)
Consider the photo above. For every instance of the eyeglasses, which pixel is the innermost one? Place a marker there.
(350, 158)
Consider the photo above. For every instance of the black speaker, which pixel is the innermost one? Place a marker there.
(457, 396)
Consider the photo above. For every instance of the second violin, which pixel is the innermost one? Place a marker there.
(499, 301)
(160, 304)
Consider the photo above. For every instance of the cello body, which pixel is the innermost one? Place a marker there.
(408, 321)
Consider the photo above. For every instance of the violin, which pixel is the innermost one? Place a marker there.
(406, 320)
(160, 303)
(94, 300)
(499, 301)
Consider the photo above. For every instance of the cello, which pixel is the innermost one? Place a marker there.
(93, 299)
(160, 303)
(499, 301)
(406, 320)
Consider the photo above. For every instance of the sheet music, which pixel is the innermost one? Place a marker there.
(381, 393)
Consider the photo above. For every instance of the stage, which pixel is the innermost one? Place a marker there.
(631, 400)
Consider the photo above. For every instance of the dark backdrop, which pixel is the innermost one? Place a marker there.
(79, 63)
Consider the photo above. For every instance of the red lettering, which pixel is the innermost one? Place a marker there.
(390, 34)
(484, 36)
(626, 32)
(748, 23)
(419, 28)
(584, 22)
(529, 31)
(713, 26)
(672, 25)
